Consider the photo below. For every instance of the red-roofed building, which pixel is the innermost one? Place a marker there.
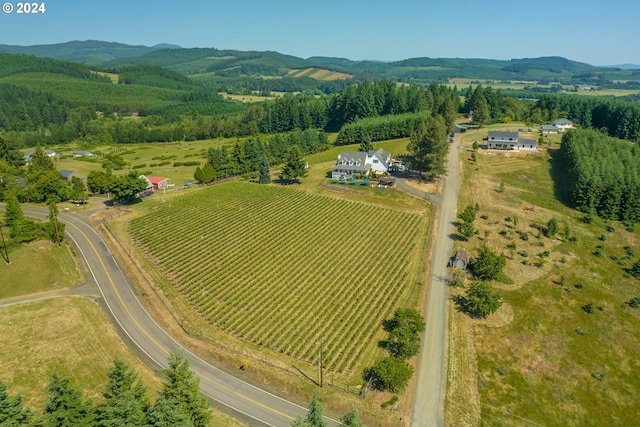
(158, 182)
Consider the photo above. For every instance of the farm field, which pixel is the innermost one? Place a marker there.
(319, 74)
(543, 358)
(282, 268)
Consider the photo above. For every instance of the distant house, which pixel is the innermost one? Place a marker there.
(460, 260)
(66, 174)
(158, 182)
(47, 152)
(563, 124)
(82, 153)
(548, 129)
(498, 140)
(361, 163)
(459, 129)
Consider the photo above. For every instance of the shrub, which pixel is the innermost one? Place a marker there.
(390, 374)
(581, 331)
(390, 402)
(634, 302)
(599, 376)
(629, 251)
(573, 239)
(610, 229)
(503, 233)
(487, 265)
(543, 254)
(481, 299)
(579, 285)
(512, 245)
(589, 308)
(524, 236)
(484, 216)
(602, 237)
(523, 254)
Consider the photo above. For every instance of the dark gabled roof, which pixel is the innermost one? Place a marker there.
(500, 134)
(550, 127)
(66, 173)
(563, 122)
(353, 156)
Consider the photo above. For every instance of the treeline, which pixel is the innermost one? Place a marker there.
(247, 85)
(124, 401)
(618, 119)
(19, 64)
(24, 110)
(380, 128)
(245, 157)
(603, 174)
(153, 75)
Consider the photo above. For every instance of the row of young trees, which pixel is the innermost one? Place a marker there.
(393, 372)
(380, 128)
(603, 174)
(124, 401)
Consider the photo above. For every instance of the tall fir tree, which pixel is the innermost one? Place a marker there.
(12, 412)
(125, 398)
(428, 147)
(295, 167)
(181, 389)
(66, 406)
(265, 175)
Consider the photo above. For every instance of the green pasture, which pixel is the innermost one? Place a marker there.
(554, 361)
(37, 267)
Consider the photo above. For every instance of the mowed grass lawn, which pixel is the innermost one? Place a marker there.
(553, 363)
(281, 267)
(37, 267)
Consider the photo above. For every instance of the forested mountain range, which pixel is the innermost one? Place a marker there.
(212, 64)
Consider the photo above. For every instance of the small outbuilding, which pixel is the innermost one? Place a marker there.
(158, 182)
(460, 260)
(66, 174)
(82, 153)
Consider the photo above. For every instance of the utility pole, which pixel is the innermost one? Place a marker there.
(4, 244)
(320, 364)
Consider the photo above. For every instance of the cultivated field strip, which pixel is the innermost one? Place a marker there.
(283, 268)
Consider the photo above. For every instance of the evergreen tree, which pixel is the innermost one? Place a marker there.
(13, 212)
(487, 265)
(366, 145)
(66, 407)
(10, 153)
(57, 230)
(12, 413)
(181, 389)
(197, 175)
(350, 419)
(125, 398)
(78, 191)
(295, 167)
(40, 162)
(98, 181)
(265, 175)
(208, 173)
(481, 112)
(428, 147)
(481, 299)
(314, 416)
(164, 414)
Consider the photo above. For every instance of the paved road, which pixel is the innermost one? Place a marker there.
(431, 381)
(255, 406)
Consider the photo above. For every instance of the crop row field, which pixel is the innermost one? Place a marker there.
(283, 268)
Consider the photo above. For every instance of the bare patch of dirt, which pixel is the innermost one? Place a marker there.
(434, 187)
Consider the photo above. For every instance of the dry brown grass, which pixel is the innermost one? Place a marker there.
(67, 335)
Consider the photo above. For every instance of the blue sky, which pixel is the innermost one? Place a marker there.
(593, 31)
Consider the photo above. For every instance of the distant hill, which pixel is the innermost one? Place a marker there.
(91, 52)
(222, 66)
(625, 66)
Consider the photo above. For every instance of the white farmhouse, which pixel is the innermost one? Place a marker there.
(563, 124)
(498, 140)
(361, 163)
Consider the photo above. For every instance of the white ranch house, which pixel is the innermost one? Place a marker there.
(509, 141)
(361, 163)
(563, 124)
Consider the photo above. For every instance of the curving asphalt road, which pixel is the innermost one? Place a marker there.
(253, 405)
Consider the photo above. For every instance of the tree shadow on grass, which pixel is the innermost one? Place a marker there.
(562, 182)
